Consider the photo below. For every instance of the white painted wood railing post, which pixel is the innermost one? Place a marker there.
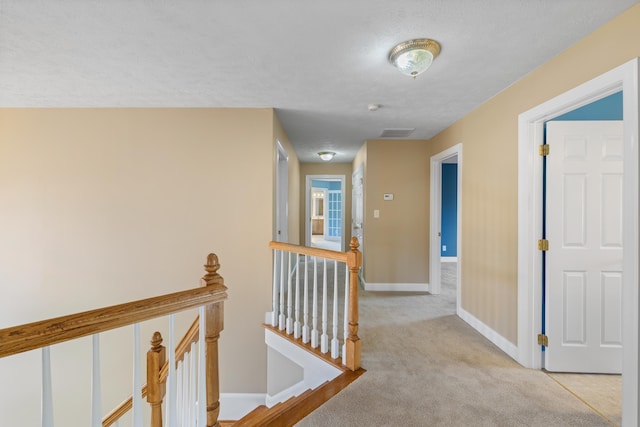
(202, 372)
(289, 299)
(335, 344)
(324, 338)
(282, 318)
(274, 313)
(47, 390)
(314, 330)
(179, 392)
(137, 383)
(305, 310)
(172, 418)
(296, 325)
(192, 386)
(96, 391)
(346, 317)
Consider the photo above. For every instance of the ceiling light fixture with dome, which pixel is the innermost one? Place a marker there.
(413, 57)
(326, 155)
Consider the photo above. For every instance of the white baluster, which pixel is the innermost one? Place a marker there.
(96, 396)
(47, 390)
(282, 318)
(335, 344)
(346, 316)
(179, 391)
(296, 325)
(192, 386)
(137, 383)
(314, 315)
(324, 338)
(274, 313)
(305, 310)
(202, 384)
(186, 369)
(289, 299)
(172, 416)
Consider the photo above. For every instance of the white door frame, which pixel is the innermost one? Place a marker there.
(307, 214)
(281, 232)
(435, 222)
(530, 136)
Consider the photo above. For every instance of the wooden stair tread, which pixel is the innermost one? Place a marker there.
(291, 411)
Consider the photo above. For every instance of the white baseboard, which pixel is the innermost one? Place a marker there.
(501, 342)
(448, 259)
(396, 287)
(234, 406)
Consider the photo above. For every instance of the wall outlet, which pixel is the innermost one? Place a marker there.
(376, 213)
(444, 248)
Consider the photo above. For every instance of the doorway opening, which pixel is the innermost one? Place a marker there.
(531, 129)
(438, 247)
(282, 194)
(324, 218)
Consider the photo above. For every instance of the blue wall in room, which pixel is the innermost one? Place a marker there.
(329, 185)
(609, 108)
(449, 228)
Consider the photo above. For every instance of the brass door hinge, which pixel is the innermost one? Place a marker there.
(543, 150)
(543, 245)
(543, 340)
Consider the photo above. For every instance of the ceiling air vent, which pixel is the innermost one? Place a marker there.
(397, 133)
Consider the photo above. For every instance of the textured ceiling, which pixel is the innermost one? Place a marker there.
(318, 63)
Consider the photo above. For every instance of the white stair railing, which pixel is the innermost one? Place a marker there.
(328, 298)
(200, 400)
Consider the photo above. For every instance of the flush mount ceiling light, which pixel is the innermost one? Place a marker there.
(326, 155)
(414, 56)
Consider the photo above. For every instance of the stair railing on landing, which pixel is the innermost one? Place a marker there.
(292, 286)
(201, 385)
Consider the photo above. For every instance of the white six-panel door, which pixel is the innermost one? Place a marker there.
(584, 260)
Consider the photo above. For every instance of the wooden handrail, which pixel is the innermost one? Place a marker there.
(30, 336)
(306, 250)
(353, 259)
(189, 337)
(211, 279)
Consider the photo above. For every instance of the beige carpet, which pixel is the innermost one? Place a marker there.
(601, 392)
(426, 367)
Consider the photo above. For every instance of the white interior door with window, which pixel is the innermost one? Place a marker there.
(584, 260)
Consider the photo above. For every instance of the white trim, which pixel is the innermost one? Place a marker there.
(448, 259)
(435, 223)
(501, 342)
(530, 123)
(307, 213)
(282, 194)
(234, 406)
(396, 287)
(315, 370)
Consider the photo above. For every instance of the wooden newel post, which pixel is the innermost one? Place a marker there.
(214, 323)
(156, 358)
(353, 344)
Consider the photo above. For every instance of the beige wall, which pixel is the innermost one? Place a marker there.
(102, 206)
(326, 169)
(396, 245)
(489, 168)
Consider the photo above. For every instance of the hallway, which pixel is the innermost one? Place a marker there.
(426, 367)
